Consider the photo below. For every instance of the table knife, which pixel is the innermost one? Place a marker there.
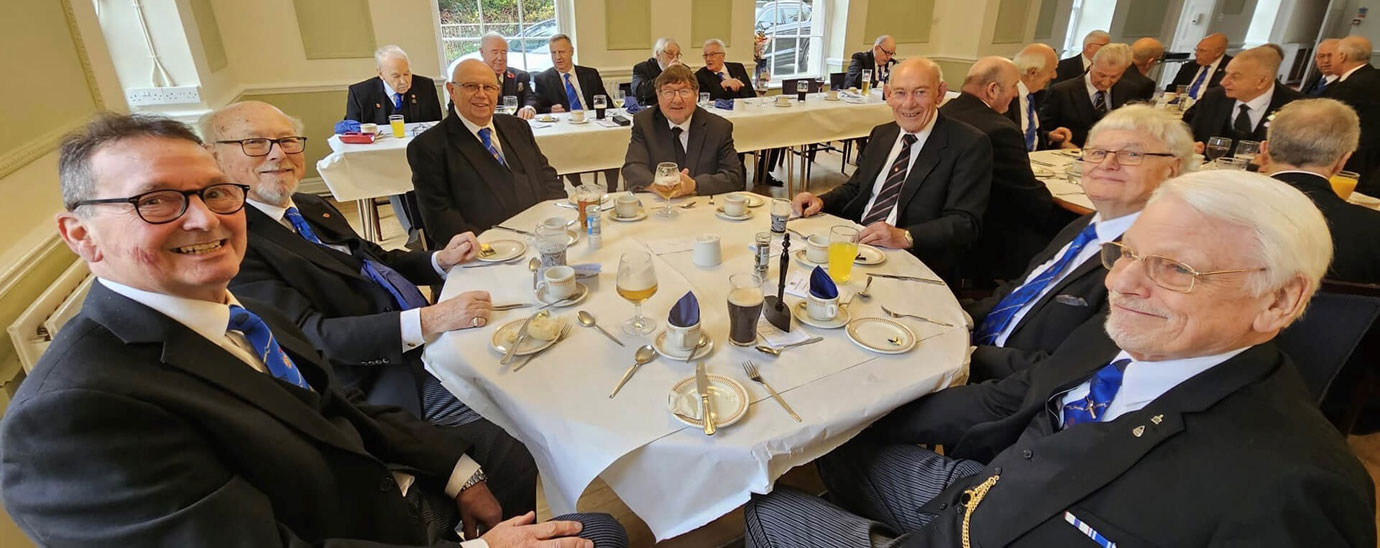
(908, 278)
(702, 386)
(522, 335)
(517, 230)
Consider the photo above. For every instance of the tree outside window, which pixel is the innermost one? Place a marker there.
(527, 24)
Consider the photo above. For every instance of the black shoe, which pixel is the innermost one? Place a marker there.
(771, 180)
(414, 241)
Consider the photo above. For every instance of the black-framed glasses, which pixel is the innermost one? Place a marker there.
(157, 207)
(889, 53)
(1165, 272)
(1122, 157)
(708, 54)
(259, 146)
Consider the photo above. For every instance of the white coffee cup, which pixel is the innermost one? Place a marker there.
(577, 116)
(626, 206)
(817, 248)
(783, 99)
(735, 204)
(821, 309)
(707, 251)
(682, 338)
(558, 282)
(368, 128)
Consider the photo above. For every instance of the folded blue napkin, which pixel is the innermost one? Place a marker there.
(346, 126)
(631, 105)
(686, 312)
(723, 104)
(821, 285)
(586, 270)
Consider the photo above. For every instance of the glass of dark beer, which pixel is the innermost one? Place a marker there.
(601, 104)
(744, 308)
(801, 88)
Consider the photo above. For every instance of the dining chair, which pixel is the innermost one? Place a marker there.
(1335, 346)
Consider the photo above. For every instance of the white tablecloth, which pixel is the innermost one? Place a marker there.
(673, 476)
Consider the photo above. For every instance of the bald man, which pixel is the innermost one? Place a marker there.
(1324, 75)
(1242, 105)
(493, 49)
(1075, 66)
(1036, 63)
(1358, 85)
(880, 59)
(1019, 204)
(1145, 53)
(1209, 66)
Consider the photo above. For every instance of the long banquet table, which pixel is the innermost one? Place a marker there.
(671, 475)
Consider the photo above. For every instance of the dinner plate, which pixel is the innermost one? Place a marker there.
(674, 354)
(585, 121)
(881, 335)
(605, 203)
(504, 250)
(581, 291)
(868, 255)
(499, 343)
(641, 214)
(804, 316)
(753, 200)
(547, 118)
(728, 400)
(802, 257)
(719, 211)
(1042, 173)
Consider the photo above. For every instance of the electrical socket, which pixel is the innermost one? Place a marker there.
(181, 95)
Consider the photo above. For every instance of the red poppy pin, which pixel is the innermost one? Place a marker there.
(377, 105)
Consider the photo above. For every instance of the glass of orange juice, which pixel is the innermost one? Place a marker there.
(843, 249)
(396, 121)
(1344, 183)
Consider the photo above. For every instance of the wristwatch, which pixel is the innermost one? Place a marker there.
(910, 240)
(476, 478)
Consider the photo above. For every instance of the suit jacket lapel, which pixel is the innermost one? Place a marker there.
(274, 234)
(1084, 104)
(489, 170)
(924, 163)
(522, 186)
(698, 127)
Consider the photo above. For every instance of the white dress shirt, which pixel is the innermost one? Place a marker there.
(575, 82)
(391, 93)
(920, 138)
(1092, 93)
(1023, 96)
(1207, 80)
(881, 72)
(1086, 61)
(1347, 74)
(493, 134)
(1142, 382)
(1257, 107)
(1107, 231)
(684, 132)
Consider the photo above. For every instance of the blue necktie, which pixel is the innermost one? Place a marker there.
(570, 94)
(397, 101)
(1030, 122)
(721, 76)
(1000, 317)
(1198, 82)
(265, 346)
(484, 137)
(1101, 389)
(404, 293)
(1318, 88)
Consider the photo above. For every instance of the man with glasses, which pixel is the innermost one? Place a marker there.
(1208, 68)
(665, 52)
(1177, 421)
(1079, 103)
(880, 59)
(1073, 67)
(169, 411)
(698, 141)
(723, 79)
(1128, 155)
(476, 169)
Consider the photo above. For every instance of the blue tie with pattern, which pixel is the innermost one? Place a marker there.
(265, 346)
(1318, 87)
(485, 137)
(570, 94)
(1000, 317)
(1030, 121)
(1101, 389)
(397, 102)
(404, 293)
(1198, 83)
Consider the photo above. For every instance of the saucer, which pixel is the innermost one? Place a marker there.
(661, 347)
(641, 214)
(728, 400)
(499, 340)
(802, 256)
(826, 98)
(545, 118)
(753, 200)
(503, 250)
(868, 255)
(585, 121)
(804, 317)
(786, 104)
(719, 211)
(605, 203)
(881, 335)
(581, 291)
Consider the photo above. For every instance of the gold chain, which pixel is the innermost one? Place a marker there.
(974, 496)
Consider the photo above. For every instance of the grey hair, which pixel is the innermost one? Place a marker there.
(382, 54)
(1117, 54)
(716, 42)
(880, 39)
(991, 69)
(1027, 61)
(1096, 35)
(1313, 132)
(1140, 118)
(1355, 48)
(661, 45)
(77, 148)
(1291, 235)
(490, 36)
(560, 36)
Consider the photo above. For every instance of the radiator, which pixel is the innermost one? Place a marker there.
(35, 328)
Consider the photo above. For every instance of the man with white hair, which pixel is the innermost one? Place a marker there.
(722, 79)
(1241, 106)
(1145, 52)
(1309, 142)
(1209, 66)
(1176, 422)
(1359, 87)
(1324, 76)
(1075, 66)
(1078, 104)
(665, 52)
(880, 59)
(1036, 64)
(493, 49)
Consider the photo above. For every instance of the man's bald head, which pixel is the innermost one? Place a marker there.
(273, 176)
(1325, 56)
(993, 79)
(1037, 64)
(1352, 51)
(473, 89)
(917, 87)
(1145, 52)
(1210, 49)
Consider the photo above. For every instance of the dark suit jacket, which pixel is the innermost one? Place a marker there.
(709, 82)
(1019, 202)
(1015, 114)
(519, 84)
(1068, 69)
(1138, 87)
(1075, 298)
(462, 188)
(1355, 257)
(1068, 105)
(1189, 70)
(943, 198)
(713, 162)
(133, 430)
(864, 60)
(1237, 455)
(551, 88)
(1361, 90)
(644, 81)
(1214, 113)
(368, 102)
(351, 319)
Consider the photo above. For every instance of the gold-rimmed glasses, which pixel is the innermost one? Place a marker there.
(1165, 272)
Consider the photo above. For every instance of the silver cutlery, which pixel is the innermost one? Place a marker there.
(517, 230)
(702, 387)
(588, 320)
(864, 293)
(909, 278)
(1039, 163)
(645, 353)
(534, 265)
(889, 312)
(688, 205)
(711, 199)
(776, 350)
(502, 307)
(752, 373)
(522, 336)
(490, 263)
(564, 331)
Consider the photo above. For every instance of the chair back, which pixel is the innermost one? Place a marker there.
(626, 87)
(1338, 330)
(836, 80)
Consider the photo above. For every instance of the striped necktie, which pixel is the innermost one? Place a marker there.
(1001, 315)
(570, 94)
(1198, 82)
(485, 137)
(265, 346)
(1030, 122)
(891, 188)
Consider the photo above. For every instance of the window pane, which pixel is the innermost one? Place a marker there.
(526, 27)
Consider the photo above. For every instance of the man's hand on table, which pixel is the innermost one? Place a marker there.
(520, 531)
(466, 310)
(479, 510)
(687, 185)
(884, 235)
(526, 113)
(1198, 147)
(462, 247)
(1062, 137)
(806, 204)
(733, 84)
(557, 109)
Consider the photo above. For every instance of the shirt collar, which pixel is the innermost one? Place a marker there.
(206, 318)
(684, 126)
(1110, 230)
(1303, 171)
(274, 212)
(1145, 381)
(1092, 90)
(1259, 104)
(474, 128)
(924, 133)
(1347, 74)
(1023, 91)
(388, 89)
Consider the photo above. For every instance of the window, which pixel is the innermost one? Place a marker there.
(794, 31)
(527, 24)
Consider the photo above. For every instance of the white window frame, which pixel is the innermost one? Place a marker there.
(483, 27)
(818, 36)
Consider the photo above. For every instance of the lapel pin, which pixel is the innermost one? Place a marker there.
(1157, 418)
(377, 105)
(1137, 431)
(326, 215)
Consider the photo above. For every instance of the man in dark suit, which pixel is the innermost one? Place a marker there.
(880, 60)
(1359, 87)
(568, 87)
(665, 53)
(1324, 76)
(722, 80)
(475, 169)
(1183, 382)
(699, 141)
(1145, 52)
(1079, 103)
(923, 182)
(1074, 67)
(1240, 108)
(1209, 66)
(170, 412)
(1019, 203)
(1036, 64)
(1024, 320)
(1309, 142)
(516, 82)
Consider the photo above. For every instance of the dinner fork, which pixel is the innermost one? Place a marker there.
(752, 373)
(889, 312)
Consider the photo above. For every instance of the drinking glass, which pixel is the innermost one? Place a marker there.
(744, 307)
(510, 105)
(1247, 150)
(1217, 147)
(843, 249)
(618, 97)
(665, 184)
(704, 99)
(1233, 164)
(637, 283)
(1344, 183)
(395, 121)
(866, 82)
(761, 86)
(551, 240)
